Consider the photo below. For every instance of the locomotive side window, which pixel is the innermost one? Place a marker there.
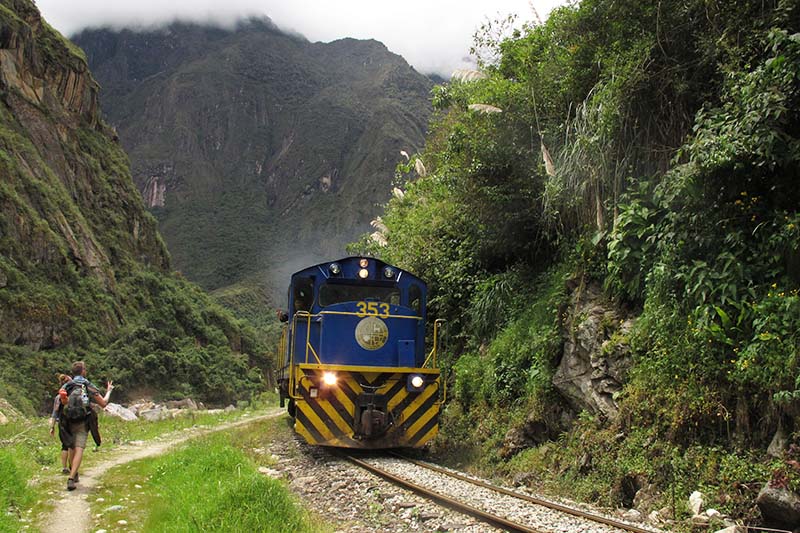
(303, 294)
(335, 293)
(415, 299)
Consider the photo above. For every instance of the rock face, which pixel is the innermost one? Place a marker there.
(82, 266)
(536, 430)
(779, 507)
(779, 442)
(595, 360)
(65, 213)
(289, 144)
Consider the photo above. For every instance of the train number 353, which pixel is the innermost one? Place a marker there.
(372, 308)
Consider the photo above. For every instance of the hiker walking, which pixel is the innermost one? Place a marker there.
(55, 417)
(77, 396)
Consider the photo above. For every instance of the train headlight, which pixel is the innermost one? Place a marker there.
(388, 272)
(329, 378)
(335, 268)
(415, 382)
(363, 273)
(363, 263)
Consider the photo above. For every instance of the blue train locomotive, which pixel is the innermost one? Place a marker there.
(354, 368)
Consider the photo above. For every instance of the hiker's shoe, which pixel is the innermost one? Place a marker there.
(70, 484)
(77, 477)
(65, 470)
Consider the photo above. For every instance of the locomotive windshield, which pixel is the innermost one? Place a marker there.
(331, 294)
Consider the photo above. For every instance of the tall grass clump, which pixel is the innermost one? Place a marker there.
(22, 456)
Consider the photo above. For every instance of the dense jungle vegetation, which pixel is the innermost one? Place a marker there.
(652, 148)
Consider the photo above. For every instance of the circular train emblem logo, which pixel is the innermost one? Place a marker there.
(372, 333)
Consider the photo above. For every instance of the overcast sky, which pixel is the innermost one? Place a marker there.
(433, 35)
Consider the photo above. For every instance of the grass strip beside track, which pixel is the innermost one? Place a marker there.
(208, 485)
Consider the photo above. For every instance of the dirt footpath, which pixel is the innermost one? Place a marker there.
(72, 513)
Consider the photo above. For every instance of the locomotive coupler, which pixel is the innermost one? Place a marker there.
(372, 418)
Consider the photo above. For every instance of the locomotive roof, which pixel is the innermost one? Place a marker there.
(352, 259)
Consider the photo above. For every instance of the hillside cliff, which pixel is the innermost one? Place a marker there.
(82, 265)
(253, 147)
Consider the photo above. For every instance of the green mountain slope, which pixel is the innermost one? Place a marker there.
(254, 148)
(83, 271)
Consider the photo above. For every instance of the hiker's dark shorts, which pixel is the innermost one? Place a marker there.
(79, 432)
(64, 445)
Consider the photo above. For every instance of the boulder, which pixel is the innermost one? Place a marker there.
(779, 507)
(186, 403)
(632, 515)
(646, 497)
(596, 357)
(696, 502)
(8, 413)
(141, 405)
(115, 409)
(151, 415)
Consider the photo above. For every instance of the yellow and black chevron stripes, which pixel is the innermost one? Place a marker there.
(329, 418)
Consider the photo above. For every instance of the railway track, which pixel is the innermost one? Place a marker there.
(502, 508)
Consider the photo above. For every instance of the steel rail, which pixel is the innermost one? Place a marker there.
(461, 507)
(531, 499)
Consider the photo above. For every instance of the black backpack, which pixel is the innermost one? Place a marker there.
(77, 407)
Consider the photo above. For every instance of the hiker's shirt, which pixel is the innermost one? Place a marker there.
(56, 414)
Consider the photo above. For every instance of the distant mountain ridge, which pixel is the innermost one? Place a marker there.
(256, 149)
